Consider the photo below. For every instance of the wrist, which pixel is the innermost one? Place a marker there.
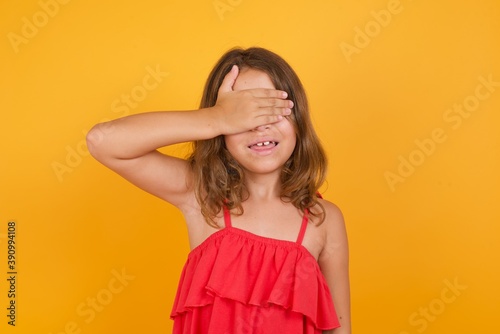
(212, 116)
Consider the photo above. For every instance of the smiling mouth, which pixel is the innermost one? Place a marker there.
(264, 144)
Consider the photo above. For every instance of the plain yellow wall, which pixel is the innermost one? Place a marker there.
(405, 96)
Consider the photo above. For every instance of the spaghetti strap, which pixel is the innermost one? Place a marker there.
(235, 274)
(227, 217)
(303, 227)
(305, 220)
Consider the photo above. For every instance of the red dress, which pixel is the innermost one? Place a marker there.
(236, 282)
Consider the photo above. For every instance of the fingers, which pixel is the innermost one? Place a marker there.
(266, 92)
(275, 103)
(229, 80)
(269, 98)
(274, 114)
(243, 110)
(268, 119)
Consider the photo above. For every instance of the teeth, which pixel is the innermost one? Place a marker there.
(264, 143)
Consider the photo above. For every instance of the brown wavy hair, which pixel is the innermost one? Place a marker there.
(218, 178)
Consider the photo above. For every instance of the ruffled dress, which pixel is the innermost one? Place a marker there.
(236, 282)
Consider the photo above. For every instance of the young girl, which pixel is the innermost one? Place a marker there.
(269, 255)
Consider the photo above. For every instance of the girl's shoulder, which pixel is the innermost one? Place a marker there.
(333, 228)
(319, 236)
(333, 214)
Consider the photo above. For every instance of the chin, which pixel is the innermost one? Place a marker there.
(263, 170)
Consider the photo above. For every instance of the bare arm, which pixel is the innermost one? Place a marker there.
(334, 263)
(129, 145)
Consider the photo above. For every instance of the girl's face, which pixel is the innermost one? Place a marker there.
(265, 149)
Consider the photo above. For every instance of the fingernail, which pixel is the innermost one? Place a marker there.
(285, 95)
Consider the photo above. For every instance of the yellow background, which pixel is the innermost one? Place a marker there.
(78, 224)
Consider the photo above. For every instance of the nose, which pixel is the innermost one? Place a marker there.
(262, 127)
